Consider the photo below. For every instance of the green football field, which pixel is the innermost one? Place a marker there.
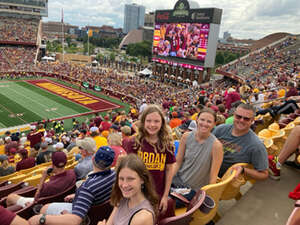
(23, 103)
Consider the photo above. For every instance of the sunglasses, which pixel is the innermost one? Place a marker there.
(239, 117)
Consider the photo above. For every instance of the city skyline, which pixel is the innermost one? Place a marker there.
(242, 18)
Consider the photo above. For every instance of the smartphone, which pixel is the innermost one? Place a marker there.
(49, 171)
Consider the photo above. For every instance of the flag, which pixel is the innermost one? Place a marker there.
(89, 32)
(62, 15)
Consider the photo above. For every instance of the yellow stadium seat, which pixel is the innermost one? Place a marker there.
(27, 171)
(288, 129)
(38, 170)
(33, 180)
(215, 191)
(18, 178)
(2, 149)
(71, 166)
(232, 190)
(297, 121)
(7, 177)
(265, 134)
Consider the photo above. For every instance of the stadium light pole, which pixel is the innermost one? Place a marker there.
(63, 34)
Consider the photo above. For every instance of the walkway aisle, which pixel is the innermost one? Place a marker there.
(266, 203)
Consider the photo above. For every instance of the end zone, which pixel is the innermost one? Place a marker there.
(92, 102)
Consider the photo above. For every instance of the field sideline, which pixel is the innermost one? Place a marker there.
(23, 102)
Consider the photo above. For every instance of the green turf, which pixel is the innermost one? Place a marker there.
(6, 121)
(13, 114)
(32, 104)
(78, 108)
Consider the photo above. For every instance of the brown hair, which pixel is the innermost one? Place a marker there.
(165, 137)
(208, 110)
(133, 162)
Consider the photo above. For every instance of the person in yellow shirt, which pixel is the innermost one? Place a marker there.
(195, 115)
(281, 93)
(100, 141)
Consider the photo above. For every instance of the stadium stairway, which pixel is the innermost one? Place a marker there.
(265, 203)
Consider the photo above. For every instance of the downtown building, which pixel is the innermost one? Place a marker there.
(134, 17)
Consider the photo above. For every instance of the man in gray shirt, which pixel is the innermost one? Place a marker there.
(87, 148)
(241, 145)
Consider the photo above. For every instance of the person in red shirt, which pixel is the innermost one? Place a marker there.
(105, 125)
(26, 162)
(115, 142)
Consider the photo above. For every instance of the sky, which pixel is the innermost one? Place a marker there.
(244, 19)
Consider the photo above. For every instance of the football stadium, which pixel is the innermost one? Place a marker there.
(160, 122)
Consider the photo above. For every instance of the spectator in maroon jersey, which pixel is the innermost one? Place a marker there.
(26, 162)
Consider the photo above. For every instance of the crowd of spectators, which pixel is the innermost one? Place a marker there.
(277, 61)
(18, 29)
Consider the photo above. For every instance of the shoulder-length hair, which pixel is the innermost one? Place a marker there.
(165, 138)
(133, 162)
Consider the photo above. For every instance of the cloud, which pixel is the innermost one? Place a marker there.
(242, 18)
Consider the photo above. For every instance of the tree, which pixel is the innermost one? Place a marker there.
(220, 58)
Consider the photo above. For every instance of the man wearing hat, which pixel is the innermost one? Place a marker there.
(59, 182)
(26, 162)
(87, 148)
(94, 191)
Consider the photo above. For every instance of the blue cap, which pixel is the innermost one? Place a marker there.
(104, 157)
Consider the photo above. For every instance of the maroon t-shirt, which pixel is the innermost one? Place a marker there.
(25, 164)
(6, 216)
(155, 162)
(34, 138)
(58, 183)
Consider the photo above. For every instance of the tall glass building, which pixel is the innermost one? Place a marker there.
(134, 17)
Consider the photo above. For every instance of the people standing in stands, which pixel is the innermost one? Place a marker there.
(154, 145)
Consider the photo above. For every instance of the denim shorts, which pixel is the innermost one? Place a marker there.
(57, 208)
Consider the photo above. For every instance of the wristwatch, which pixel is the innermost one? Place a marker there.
(43, 219)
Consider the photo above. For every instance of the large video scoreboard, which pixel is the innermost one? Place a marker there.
(186, 37)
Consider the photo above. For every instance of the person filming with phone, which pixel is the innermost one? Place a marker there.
(60, 180)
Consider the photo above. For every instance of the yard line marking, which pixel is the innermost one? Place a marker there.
(12, 113)
(43, 106)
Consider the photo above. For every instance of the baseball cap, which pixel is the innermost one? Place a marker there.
(87, 144)
(58, 145)
(59, 159)
(114, 126)
(104, 157)
(94, 129)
